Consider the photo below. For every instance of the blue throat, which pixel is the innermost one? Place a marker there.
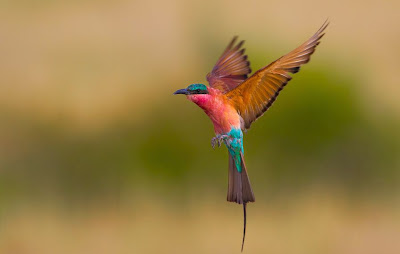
(235, 146)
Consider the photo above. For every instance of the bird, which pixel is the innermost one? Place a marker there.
(233, 101)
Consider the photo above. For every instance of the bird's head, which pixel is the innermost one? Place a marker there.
(197, 93)
(193, 89)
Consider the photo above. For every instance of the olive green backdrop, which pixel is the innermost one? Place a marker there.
(98, 156)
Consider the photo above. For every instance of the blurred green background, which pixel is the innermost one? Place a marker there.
(98, 156)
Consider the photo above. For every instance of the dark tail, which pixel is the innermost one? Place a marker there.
(239, 188)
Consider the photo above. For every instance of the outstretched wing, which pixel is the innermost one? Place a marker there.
(231, 68)
(255, 95)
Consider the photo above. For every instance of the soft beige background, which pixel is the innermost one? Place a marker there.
(97, 156)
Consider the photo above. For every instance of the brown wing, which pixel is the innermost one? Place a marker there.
(231, 68)
(255, 95)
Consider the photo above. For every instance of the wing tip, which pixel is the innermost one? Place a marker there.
(233, 41)
(324, 26)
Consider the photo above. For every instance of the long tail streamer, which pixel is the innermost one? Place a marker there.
(244, 223)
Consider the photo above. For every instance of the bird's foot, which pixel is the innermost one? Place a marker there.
(219, 139)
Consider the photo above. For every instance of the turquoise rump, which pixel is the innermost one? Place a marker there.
(234, 143)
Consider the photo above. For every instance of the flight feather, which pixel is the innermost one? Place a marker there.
(231, 68)
(256, 94)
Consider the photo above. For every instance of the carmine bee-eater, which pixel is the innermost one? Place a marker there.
(233, 102)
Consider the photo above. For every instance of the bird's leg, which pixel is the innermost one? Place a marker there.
(218, 140)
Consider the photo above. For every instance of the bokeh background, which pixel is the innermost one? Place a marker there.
(98, 156)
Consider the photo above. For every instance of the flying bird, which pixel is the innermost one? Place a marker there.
(233, 102)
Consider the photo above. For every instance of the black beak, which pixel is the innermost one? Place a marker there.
(181, 91)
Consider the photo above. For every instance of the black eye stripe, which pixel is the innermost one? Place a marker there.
(198, 91)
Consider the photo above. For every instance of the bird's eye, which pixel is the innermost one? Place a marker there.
(198, 90)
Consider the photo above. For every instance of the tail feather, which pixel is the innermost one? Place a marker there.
(244, 224)
(239, 188)
(247, 191)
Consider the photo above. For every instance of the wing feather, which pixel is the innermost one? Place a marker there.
(256, 94)
(231, 68)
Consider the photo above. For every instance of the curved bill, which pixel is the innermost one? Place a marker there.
(181, 91)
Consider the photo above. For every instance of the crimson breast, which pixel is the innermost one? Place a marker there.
(221, 113)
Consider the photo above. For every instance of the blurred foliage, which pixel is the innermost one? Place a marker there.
(98, 156)
(316, 133)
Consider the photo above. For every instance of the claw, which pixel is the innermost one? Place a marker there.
(213, 141)
(222, 138)
(219, 139)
